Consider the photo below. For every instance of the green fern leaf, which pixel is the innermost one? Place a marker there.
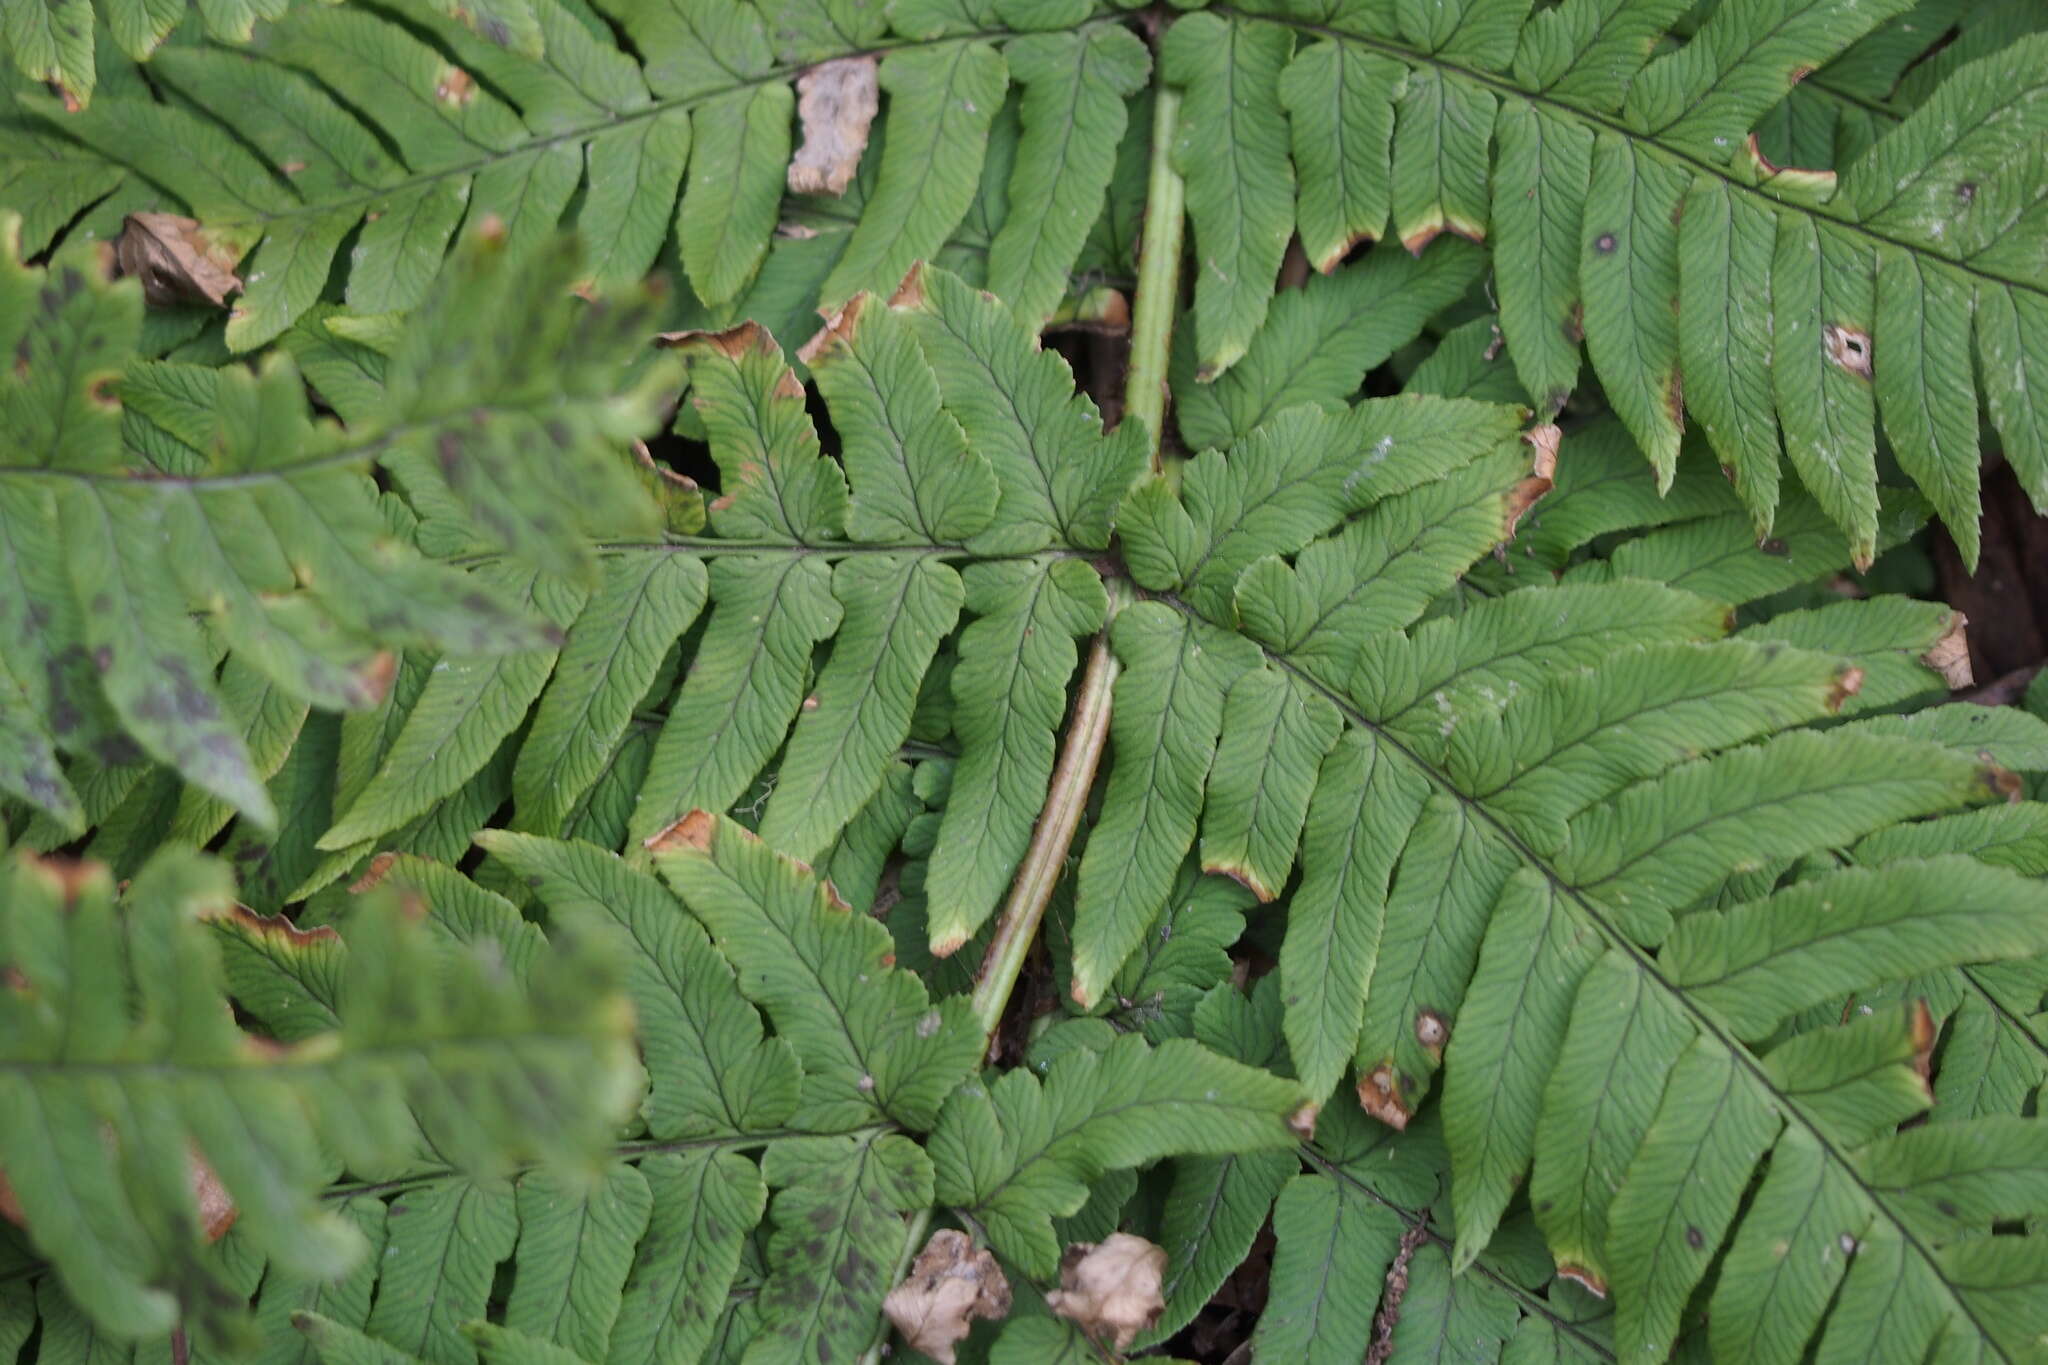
(1016, 1153)
(870, 1042)
(122, 1229)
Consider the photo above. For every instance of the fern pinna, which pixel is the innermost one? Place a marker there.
(1657, 972)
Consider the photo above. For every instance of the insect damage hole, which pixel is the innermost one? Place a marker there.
(1847, 347)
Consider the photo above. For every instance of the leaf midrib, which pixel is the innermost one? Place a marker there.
(1706, 1023)
(1505, 85)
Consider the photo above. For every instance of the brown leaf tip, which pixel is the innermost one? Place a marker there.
(949, 1285)
(1950, 655)
(1379, 1094)
(1583, 1277)
(276, 927)
(1243, 876)
(839, 327)
(910, 292)
(693, 832)
(373, 875)
(1113, 1289)
(733, 343)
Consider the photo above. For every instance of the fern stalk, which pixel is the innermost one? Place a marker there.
(1158, 277)
(1087, 733)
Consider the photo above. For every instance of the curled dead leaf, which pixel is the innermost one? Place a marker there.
(1950, 655)
(1543, 440)
(176, 260)
(836, 103)
(1112, 1289)
(951, 1283)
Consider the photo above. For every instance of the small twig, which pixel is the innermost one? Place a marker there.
(1087, 734)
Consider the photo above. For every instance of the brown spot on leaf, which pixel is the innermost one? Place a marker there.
(1112, 1289)
(1575, 324)
(2004, 784)
(836, 103)
(1432, 1032)
(1950, 655)
(1302, 1122)
(1379, 1094)
(1846, 685)
(1847, 348)
(1694, 1238)
(176, 260)
(1604, 244)
(950, 1284)
(455, 87)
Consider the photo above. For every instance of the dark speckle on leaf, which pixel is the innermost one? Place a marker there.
(1604, 243)
(1694, 1238)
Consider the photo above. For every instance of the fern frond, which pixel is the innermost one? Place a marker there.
(128, 1083)
(176, 488)
(1629, 204)
(512, 114)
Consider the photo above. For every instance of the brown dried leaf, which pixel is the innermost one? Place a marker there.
(176, 260)
(1542, 470)
(950, 1284)
(836, 102)
(1950, 655)
(1112, 1289)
